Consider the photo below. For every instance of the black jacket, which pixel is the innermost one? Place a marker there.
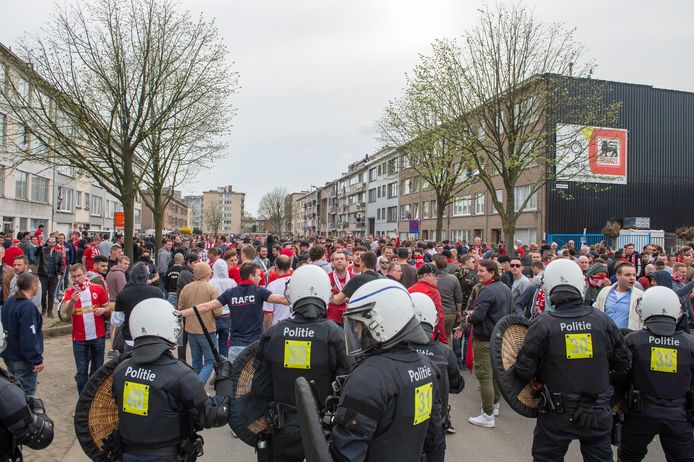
(50, 264)
(493, 303)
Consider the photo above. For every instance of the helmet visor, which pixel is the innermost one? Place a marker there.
(358, 338)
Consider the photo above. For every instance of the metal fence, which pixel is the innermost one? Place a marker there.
(579, 239)
(639, 240)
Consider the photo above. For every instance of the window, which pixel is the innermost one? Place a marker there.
(479, 204)
(392, 190)
(426, 211)
(378, 214)
(415, 211)
(425, 185)
(87, 203)
(21, 184)
(110, 208)
(67, 170)
(526, 235)
(405, 162)
(392, 214)
(406, 212)
(372, 195)
(460, 235)
(3, 124)
(408, 186)
(137, 215)
(372, 174)
(96, 206)
(462, 206)
(22, 137)
(499, 197)
(64, 199)
(78, 200)
(3, 76)
(383, 213)
(521, 194)
(39, 189)
(23, 90)
(2, 182)
(392, 166)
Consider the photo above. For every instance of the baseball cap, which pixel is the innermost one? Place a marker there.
(428, 268)
(288, 252)
(16, 241)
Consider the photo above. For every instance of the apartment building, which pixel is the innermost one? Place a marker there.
(223, 208)
(194, 203)
(176, 215)
(382, 193)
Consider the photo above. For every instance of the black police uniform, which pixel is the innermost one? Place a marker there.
(313, 348)
(161, 404)
(389, 406)
(571, 351)
(23, 420)
(660, 380)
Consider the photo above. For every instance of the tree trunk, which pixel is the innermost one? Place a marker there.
(129, 231)
(439, 217)
(509, 218)
(158, 217)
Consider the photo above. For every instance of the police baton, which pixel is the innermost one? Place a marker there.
(222, 366)
(217, 357)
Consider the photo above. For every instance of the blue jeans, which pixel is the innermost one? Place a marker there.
(89, 356)
(199, 349)
(162, 278)
(234, 351)
(172, 298)
(24, 372)
(223, 335)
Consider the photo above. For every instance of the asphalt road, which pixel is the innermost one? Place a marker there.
(511, 440)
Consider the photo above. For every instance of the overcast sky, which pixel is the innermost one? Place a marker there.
(316, 74)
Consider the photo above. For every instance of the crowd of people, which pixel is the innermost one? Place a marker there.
(238, 285)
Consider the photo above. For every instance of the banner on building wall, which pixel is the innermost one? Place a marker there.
(591, 154)
(414, 226)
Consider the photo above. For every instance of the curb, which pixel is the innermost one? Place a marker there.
(59, 330)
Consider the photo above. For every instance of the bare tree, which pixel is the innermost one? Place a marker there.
(214, 217)
(510, 83)
(439, 157)
(276, 207)
(104, 77)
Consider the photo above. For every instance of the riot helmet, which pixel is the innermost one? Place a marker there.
(424, 309)
(155, 317)
(380, 314)
(659, 309)
(307, 288)
(563, 281)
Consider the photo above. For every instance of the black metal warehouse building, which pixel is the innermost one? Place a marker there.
(660, 167)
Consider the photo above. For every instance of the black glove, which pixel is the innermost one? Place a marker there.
(585, 414)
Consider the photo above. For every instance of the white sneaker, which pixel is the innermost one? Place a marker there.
(483, 420)
(496, 410)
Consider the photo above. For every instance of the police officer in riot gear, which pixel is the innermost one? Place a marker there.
(390, 404)
(23, 420)
(660, 400)
(425, 310)
(310, 346)
(569, 354)
(161, 401)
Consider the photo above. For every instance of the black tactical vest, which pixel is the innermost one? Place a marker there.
(300, 349)
(576, 358)
(410, 381)
(150, 415)
(661, 366)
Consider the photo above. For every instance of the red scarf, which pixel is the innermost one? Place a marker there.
(540, 302)
(596, 281)
(677, 278)
(418, 261)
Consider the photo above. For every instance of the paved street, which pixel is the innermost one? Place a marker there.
(510, 440)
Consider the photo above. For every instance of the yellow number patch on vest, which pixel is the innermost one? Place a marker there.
(664, 360)
(423, 399)
(136, 398)
(579, 346)
(297, 354)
